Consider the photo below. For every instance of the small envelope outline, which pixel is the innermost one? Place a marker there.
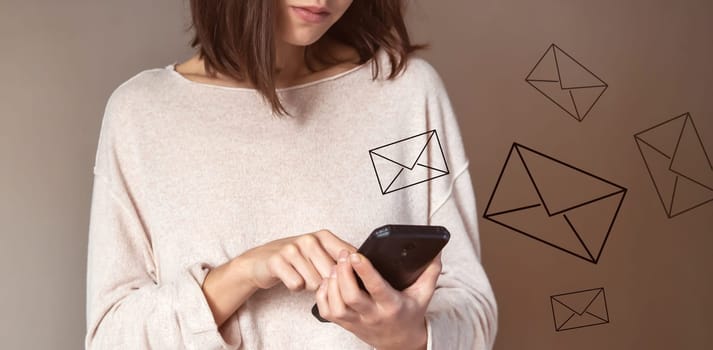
(404, 163)
(584, 308)
(677, 163)
(566, 82)
(558, 219)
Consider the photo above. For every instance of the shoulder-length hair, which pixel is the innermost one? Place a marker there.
(236, 39)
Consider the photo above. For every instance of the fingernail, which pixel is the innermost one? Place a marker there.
(334, 272)
(343, 256)
(354, 258)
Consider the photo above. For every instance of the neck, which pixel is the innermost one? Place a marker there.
(289, 63)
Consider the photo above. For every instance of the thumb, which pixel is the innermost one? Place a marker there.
(423, 288)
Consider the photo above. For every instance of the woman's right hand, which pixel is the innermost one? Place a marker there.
(299, 262)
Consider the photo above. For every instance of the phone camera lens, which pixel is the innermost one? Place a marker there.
(408, 246)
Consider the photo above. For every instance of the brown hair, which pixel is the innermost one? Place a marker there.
(236, 38)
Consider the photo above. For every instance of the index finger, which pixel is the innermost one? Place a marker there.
(333, 244)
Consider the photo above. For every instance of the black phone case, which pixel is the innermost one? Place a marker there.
(400, 253)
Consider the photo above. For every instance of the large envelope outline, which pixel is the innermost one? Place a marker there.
(555, 203)
(579, 309)
(677, 163)
(408, 162)
(566, 82)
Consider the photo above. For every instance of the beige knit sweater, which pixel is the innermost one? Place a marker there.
(189, 175)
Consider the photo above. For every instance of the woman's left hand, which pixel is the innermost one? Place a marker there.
(384, 318)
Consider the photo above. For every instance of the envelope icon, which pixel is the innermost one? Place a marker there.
(555, 203)
(677, 164)
(566, 82)
(579, 309)
(409, 162)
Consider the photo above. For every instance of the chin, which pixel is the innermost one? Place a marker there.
(302, 39)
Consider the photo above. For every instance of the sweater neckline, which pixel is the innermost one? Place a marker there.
(172, 68)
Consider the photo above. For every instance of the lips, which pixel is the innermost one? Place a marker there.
(311, 14)
(314, 9)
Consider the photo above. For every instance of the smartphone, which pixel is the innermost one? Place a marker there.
(400, 253)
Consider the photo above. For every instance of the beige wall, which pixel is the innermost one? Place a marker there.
(60, 61)
(656, 57)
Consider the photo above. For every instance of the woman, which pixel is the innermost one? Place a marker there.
(215, 179)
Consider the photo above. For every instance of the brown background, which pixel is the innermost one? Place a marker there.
(61, 60)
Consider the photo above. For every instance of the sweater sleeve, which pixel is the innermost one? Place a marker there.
(462, 313)
(128, 305)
